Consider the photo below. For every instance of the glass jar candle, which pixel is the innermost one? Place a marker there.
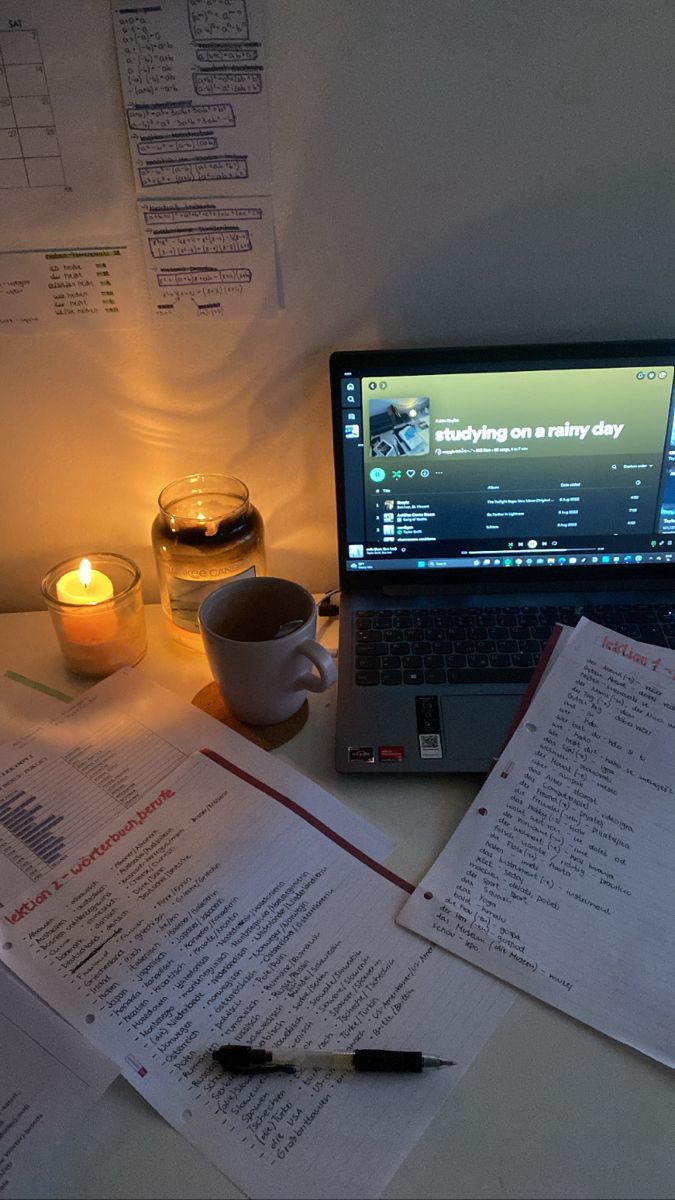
(97, 611)
(206, 531)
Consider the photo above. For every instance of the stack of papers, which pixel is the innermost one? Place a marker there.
(222, 897)
(50, 1074)
(175, 889)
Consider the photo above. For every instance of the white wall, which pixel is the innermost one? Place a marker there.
(445, 172)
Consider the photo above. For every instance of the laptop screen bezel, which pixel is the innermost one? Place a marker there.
(409, 361)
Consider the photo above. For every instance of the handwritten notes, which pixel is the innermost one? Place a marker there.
(210, 258)
(196, 106)
(50, 1074)
(193, 82)
(93, 764)
(561, 877)
(50, 1078)
(90, 287)
(226, 915)
(195, 109)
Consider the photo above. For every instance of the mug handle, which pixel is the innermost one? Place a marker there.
(325, 665)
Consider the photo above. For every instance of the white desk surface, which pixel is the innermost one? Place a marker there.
(549, 1108)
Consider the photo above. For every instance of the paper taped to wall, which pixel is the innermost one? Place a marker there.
(193, 80)
(211, 257)
(88, 287)
(63, 178)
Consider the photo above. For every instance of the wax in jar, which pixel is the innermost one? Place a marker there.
(97, 612)
(85, 586)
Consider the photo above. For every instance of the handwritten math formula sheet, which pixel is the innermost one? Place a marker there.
(192, 74)
(561, 877)
(209, 258)
(193, 81)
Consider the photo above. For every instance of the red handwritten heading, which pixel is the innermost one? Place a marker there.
(134, 822)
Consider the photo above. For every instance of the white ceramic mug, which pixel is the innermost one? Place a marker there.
(259, 637)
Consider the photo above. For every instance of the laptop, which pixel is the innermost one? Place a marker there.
(483, 494)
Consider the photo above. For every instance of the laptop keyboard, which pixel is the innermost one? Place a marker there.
(490, 645)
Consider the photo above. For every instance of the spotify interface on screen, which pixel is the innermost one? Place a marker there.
(512, 467)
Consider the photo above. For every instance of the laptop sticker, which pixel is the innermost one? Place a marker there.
(364, 754)
(391, 754)
(429, 727)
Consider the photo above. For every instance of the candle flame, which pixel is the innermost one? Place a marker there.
(85, 572)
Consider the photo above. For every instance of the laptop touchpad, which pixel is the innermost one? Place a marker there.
(475, 729)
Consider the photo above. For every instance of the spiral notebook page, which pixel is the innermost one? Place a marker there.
(560, 878)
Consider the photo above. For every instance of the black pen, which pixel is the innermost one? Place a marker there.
(247, 1060)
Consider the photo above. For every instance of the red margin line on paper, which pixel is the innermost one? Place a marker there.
(311, 820)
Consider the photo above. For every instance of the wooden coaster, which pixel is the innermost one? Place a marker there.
(268, 737)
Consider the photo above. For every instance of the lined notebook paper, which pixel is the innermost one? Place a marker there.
(561, 877)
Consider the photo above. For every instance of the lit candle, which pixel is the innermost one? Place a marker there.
(84, 589)
(85, 586)
(97, 611)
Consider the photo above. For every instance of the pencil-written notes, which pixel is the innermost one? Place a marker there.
(560, 878)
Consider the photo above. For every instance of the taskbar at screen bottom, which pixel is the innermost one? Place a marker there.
(419, 562)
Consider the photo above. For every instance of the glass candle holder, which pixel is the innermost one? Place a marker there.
(206, 531)
(98, 615)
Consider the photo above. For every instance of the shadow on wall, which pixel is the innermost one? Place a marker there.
(496, 195)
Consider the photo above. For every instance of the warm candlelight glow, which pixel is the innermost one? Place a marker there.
(206, 531)
(85, 586)
(97, 613)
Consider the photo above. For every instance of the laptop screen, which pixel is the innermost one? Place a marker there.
(505, 458)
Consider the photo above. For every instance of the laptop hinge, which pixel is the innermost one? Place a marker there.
(518, 587)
